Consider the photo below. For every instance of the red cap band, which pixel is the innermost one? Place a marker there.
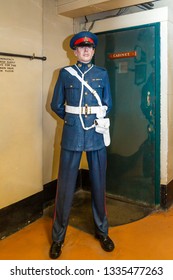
(85, 39)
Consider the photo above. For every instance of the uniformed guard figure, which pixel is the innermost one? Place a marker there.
(82, 99)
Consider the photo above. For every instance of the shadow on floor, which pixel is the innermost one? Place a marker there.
(119, 212)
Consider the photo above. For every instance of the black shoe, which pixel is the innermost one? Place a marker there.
(106, 243)
(55, 250)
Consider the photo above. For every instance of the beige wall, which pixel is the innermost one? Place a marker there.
(170, 101)
(28, 146)
(167, 94)
(30, 131)
(57, 33)
(21, 99)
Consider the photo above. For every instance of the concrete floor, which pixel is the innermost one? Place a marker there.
(150, 238)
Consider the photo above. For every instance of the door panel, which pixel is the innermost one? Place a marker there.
(131, 58)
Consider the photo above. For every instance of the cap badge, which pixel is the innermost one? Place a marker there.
(86, 39)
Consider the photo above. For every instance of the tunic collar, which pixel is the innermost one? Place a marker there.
(83, 66)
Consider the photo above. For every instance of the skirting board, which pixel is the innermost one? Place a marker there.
(18, 215)
(166, 194)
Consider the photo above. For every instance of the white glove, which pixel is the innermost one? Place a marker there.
(106, 137)
(102, 126)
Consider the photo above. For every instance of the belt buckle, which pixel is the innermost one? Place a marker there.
(87, 110)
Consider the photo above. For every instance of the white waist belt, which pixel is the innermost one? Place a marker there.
(86, 110)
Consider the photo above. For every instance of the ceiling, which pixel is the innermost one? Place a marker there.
(79, 8)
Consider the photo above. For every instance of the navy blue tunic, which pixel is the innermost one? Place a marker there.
(68, 91)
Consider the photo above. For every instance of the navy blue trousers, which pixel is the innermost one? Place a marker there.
(68, 171)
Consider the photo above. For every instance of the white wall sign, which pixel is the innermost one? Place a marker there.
(7, 64)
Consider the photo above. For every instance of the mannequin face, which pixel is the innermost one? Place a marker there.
(84, 54)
